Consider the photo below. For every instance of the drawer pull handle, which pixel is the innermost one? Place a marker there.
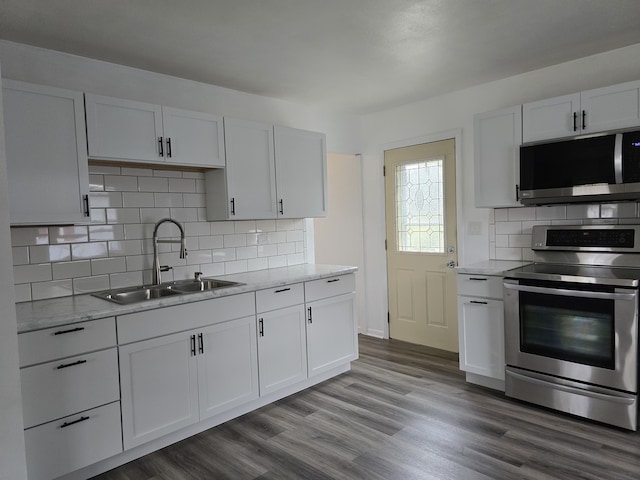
(71, 330)
(478, 303)
(333, 280)
(478, 279)
(310, 319)
(261, 330)
(67, 365)
(68, 424)
(193, 345)
(200, 343)
(282, 290)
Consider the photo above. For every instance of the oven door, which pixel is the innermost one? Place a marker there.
(579, 332)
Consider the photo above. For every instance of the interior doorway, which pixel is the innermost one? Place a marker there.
(420, 199)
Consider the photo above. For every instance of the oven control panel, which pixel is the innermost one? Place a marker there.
(591, 238)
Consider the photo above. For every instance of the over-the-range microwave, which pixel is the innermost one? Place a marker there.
(600, 168)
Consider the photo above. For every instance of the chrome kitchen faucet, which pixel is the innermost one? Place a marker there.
(157, 268)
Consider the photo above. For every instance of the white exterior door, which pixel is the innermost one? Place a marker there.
(421, 244)
(301, 173)
(159, 387)
(282, 348)
(124, 129)
(250, 171)
(227, 365)
(193, 138)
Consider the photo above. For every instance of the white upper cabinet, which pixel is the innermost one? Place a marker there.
(133, 131)
(46, 154)
(591, 111)
(551, 118)
(301, 173)
(270, 173)
(496, 142)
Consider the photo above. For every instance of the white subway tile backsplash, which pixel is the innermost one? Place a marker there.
(520, 214)
(20, 255)
(509, 253)
(521, 241)
(552, 212)
(501, 214)
(102, 266)
(506, 228)
(23, 292)
(123, 215)
(49, 253)
(502, 241)
(182, 185)
(90, 284)
(57, 288)
(63, 270)
(38, 272)
(115, 250)
(138, 199)
(235, 240)
(583, 211)
(104, 169)
(618, 210)
(22, 236)
(153, 184)
(77, 234)
(120, 183)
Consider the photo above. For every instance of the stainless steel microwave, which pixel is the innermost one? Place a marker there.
(597, 168)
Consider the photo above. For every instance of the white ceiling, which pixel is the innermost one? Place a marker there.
(357, 56)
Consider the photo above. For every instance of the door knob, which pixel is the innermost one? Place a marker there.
(451, 264)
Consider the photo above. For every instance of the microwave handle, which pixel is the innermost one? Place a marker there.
(617, 158)
(571, 293)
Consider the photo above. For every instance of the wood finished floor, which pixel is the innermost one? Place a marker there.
(404, 412)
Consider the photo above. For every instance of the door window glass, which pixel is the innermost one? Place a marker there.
(420, 206)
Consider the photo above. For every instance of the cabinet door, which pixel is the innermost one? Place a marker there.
(46, 154)
(158, 382)
(613, 107)
(250, 171)
(227, 365)
(497, 139)
(193, 138)
(301, 173)
(551, 118)
(481, 336)
(331, 333)
(124, 129)
(282, 349)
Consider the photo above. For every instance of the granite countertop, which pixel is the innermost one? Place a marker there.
(491, 267)
(54, 312)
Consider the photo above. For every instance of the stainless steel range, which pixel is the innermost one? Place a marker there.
(571, 323)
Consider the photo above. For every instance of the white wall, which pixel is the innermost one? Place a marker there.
(12, 460)
(455, 111)
(339, 238)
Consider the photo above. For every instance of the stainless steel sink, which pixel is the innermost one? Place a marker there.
(126, 296)
(188, 286)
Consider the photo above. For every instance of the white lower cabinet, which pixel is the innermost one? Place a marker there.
(282, 349)
(159, 387)
(171, 382)
(73, 442)
(481, 325)
(332, 335)
(70, 397)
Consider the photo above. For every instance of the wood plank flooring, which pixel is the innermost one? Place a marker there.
(404, 412)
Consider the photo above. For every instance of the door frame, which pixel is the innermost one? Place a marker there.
(456, 135)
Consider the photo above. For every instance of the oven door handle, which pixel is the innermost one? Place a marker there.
(627, 400)
(571, 293)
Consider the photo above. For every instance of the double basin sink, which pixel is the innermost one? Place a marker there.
(129, 295)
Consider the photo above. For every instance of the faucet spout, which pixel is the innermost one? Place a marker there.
(157, 269)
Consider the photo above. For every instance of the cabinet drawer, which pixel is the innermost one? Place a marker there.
(179, 318)
(279, 297)
(60, 447)
(46, 345)
(480, 286)
(57, 389)
(329, 287)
